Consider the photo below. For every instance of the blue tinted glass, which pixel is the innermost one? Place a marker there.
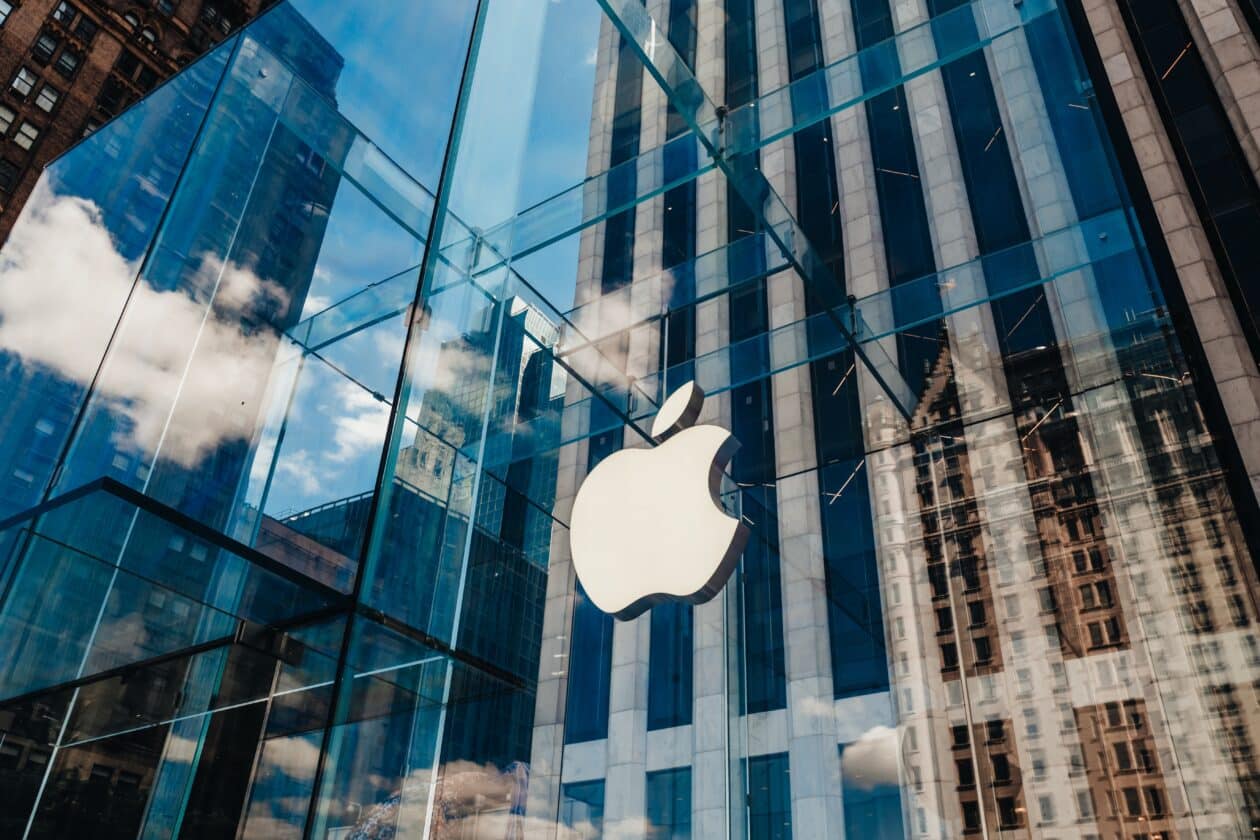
(582, 808)
(670, 666)
(668, 809)
(94, 213)
(769, 798)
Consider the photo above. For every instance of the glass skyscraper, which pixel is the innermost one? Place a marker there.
(305, 356)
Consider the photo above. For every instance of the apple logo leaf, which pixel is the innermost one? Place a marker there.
(647, 525)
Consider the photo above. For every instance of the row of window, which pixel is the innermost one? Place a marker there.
(26, 134)
(48, 45)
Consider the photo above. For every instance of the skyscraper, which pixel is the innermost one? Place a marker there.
(309, 352)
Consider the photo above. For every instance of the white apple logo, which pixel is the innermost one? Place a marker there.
(647, 525)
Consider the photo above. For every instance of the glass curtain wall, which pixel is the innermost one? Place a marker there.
(306, 355)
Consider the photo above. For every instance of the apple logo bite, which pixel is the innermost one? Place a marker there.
(647, 525)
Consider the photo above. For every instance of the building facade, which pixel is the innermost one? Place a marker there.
(69, 67)
(307, 353)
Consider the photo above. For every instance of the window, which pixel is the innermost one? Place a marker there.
(148, 35)
(67, 63)
(1238, 610)
(6, 8)
(131, 20)
(944, 620)
(85, 29)
(1046, 804)
(26, 135)
(112, 96)
(984, 650)
(949, 655)
(1045, 596)
(996, 730)
(47, 99)
(582, 807)
(1087, 597)
(976, 611)
(1007, 813)
(45, 45)
(1154, 801)
(1001, 768)
(1132, 802)
(971, 816)
(966, 772)
(668, 808)
(960, 736)
(24, 81)
(65, 13)
(769, 798)
(1095, 634)
(8, 174)
(166, 7)
(1124, 760)
(6, 119)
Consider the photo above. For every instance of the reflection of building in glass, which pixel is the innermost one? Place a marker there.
(73, 66)
(290, 448)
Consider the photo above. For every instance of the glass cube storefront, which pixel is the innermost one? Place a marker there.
(305, 356)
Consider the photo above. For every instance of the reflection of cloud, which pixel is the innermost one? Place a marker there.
(871, 760)
(295, 757)
(62, 288)
(301, 467)
(360, 427)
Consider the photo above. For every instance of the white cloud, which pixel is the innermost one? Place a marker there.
(359, 425)
(62, 288)
(872, 760)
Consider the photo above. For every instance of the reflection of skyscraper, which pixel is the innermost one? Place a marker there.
(1034, 584)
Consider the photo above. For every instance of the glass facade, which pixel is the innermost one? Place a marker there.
(305, 356)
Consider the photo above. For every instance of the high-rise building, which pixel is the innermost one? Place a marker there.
(307, 353)
(69, 66)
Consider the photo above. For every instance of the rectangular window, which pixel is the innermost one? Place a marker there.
(6, 9)
(1001, 768)
(65, 13)
(26, 135)
(590, 672)
(47, 99)
(960, 736)
(8, 174)
(44, 47)
(1132, 802)
(582, 807)
(769, 798)
(670, 666)
(1124, 760)
(24, 82)
(668, 808)
(6, 119)
(966, 772)
(971, 816)
(1007, 813)
(996, 730)
(67, 63)
(984, 650)
(977, 613)
(85, 30)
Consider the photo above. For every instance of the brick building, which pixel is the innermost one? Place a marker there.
(68, 66)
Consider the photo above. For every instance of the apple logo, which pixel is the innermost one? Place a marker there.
(647, 525)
